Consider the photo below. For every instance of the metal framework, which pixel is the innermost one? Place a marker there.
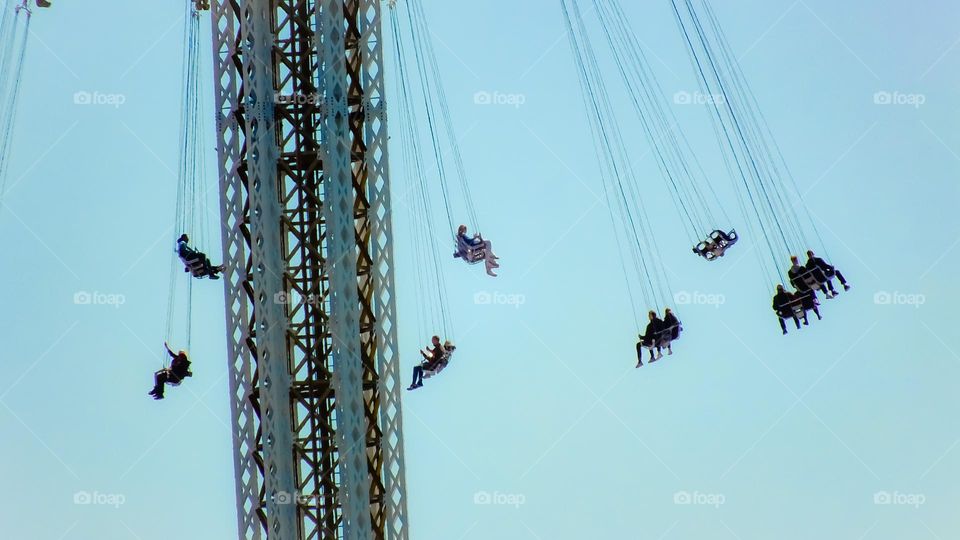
(307, 242)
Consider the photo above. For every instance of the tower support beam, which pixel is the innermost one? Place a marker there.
(311, 311)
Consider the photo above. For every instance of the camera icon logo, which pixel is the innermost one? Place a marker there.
(82, 298)
(282, 497)
(482, 298)
(82, 98)
(882, 98)
(82, 497)
(682, 298)
(482, 98)
(882, 497)
(481, 497)
(683, 98)
(682, 497)
(882, 298)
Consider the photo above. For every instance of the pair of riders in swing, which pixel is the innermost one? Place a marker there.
(815, 275)
(175, 374)
(435, 359)
(659, 333)
(474, 249)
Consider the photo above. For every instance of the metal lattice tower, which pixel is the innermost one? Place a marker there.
(308, 248)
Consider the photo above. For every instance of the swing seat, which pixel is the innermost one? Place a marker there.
(814, 278)
(669, 335)
(650, 344)
(198, 269)
(471, 254)
(178, 381)
(820, 277)
(194, 266)
(799, 306)
(716, 244)
(173, 380)
(427, 373)
(664, 338)
(440, 366)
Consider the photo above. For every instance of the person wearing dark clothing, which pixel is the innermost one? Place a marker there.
(191, 257)
(783, 303)
(650, 338)
(671, 329)
(799, 276)
(431, 358)
(827, 271)
(175, 374)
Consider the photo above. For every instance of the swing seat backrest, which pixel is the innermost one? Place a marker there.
(471, 254)
(719, 245)
(706, 250)
(427, 373)
(668, 335)
(710, 251)
(195, 267)
(811, 276)
(441, 365)
(798, 306)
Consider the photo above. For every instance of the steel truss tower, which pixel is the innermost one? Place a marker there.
(308, 248)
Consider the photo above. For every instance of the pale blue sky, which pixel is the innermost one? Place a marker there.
(795, 435)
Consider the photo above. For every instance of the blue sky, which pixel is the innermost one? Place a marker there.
(766, 436)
